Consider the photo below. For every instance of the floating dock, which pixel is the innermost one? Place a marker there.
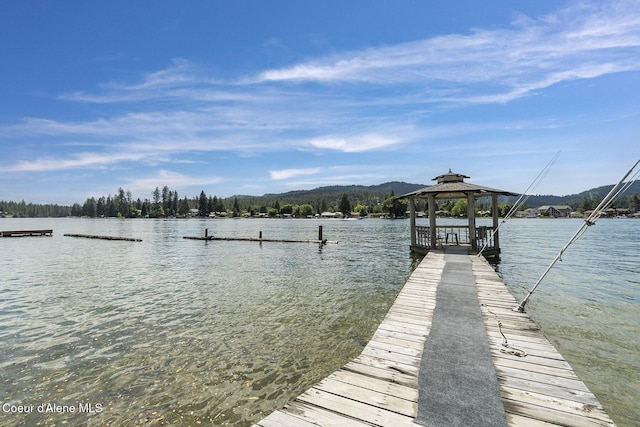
(92, 236)
(450, 352)
(260, 239)
(25, 233)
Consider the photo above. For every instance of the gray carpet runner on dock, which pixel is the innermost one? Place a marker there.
(457, 379)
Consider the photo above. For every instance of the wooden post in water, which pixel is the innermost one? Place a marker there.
(260, 237)
(206, 232)
(320, 233)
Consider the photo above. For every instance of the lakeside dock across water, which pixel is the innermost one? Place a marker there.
(25, 233)
(451, 351)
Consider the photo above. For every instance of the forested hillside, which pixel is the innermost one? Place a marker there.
(346, 198)
(587, 199)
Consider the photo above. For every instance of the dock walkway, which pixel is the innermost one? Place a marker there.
(388, 383)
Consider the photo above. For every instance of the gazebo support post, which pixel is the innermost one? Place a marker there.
(471, 215)
(495, 214)
(432, 220)
(412, 211)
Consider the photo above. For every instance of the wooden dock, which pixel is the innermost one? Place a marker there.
(260, 239)
(381, 386)
(92, 236)
(256, 239)
(25, 233)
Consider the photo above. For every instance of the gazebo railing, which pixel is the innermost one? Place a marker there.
(423, 237)
(453, 235)
(484, 238)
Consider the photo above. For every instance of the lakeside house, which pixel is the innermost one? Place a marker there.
(556, 211)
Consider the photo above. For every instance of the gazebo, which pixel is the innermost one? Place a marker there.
(452, 186)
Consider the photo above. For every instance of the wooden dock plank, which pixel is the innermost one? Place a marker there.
(387, 374)
(321, 416)
(284, 419)
(368, 394)
(368, 413)
(551, 403)
(371, 383)
(380, 386)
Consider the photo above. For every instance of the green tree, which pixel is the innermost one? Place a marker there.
(122, 205)
(460, 208)
(634, 203)
(166, 200)
(286, 209)
(323, 206)
(211, 203)
(183, 208)
(361, 209)
(202, 204)
(76, 209)
(90, 208)
(305, 210)
(395, 207)
(236, 207)
(154, 212)
(345, 205)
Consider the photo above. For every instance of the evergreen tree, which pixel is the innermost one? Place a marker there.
(155, 210)
(202, 204)
(345, 205)
(236, 207)
(634, 203)
(395, 207)
(184, 207)
(90, 208)
(101, 209)
(166, 200)
(174, 203)
(220, 207)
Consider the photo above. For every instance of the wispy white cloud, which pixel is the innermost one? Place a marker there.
(356, 143)
(290, 173)
(75, 161)
(583, 41)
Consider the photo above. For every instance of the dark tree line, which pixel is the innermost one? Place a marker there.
(346, 199)
(33, 210)
(162, 203)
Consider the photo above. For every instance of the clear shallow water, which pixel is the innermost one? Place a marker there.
(589, 303)
(184, 332)
(180, 332)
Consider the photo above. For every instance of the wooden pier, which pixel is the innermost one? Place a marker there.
(25, 233)
(387, 384)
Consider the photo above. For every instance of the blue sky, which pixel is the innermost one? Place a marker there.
(255, 97)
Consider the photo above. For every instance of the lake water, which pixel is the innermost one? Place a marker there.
(170, 331)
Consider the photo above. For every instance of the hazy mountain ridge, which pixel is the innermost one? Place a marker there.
(369, 194)
(597, 193)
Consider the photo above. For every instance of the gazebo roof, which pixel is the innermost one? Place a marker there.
(452, 186)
